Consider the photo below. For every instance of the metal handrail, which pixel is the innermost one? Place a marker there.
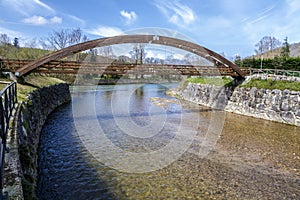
(8, 99)
(275, 72)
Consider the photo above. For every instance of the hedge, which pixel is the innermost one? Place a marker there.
(292, 63)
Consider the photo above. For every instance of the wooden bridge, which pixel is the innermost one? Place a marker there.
(51, 63)
(73, 67)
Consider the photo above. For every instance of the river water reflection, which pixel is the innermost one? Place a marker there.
(252, 158)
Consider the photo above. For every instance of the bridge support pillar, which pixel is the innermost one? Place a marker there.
(238, 80)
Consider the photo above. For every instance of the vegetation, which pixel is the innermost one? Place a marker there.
(285, 63)
(12, 52)
(224, 81)
(271, 84)
(285, 50)
(271, 54)
(33, 82)
(267, 43)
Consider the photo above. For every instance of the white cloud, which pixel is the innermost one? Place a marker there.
(38, 2)
(154, 54)
(106, 31)
(130, 17)
(55, 20)
(29, 7)
(39, 20)
(178, 14)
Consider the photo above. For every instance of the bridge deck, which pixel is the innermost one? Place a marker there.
(73, 67)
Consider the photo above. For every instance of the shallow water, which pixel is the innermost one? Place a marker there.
(212, 154)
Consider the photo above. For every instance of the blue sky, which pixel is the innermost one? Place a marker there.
(229, 26)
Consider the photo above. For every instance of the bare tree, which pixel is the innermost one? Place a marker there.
(33, 43)
(138, 53)
(65, 37)
(59, 39)
(267, 43)
(76, 36)
(106, 52)
(274, 43)
(4, 39)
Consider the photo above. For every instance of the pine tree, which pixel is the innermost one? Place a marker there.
(16, 42)
(285, 50)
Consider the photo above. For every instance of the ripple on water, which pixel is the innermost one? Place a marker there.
(236, 169)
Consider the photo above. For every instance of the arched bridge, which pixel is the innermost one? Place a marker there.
(215, 58)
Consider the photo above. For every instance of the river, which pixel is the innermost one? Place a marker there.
(135, 142)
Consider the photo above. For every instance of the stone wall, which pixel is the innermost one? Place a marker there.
(31, 118)
(274, 105)
(207, 95)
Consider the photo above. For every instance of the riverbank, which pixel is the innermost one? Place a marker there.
(252, 159)
(38, 97)
(271, 104)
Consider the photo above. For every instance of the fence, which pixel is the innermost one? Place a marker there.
(8, 99)
(275, 72)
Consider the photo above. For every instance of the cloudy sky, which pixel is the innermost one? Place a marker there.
(229, 26)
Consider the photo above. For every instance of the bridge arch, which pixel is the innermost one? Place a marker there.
(125, 39)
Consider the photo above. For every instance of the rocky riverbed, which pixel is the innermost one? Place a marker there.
(253, 159)
(250, 159)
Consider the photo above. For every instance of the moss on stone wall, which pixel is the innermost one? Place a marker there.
(40, 103)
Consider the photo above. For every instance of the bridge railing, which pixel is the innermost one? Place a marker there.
(8, 99)
(275, 72)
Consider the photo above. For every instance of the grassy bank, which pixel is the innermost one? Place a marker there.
(258, 83)
(271, 84)
(224, 81)
(31, 83)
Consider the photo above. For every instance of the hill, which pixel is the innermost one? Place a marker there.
(294, 52)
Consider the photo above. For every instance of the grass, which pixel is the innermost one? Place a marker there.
(32, 82)
(271, 84)
(224, 81)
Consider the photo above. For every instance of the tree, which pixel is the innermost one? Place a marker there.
(66, 37)
(138, 53)
(4, 39)
(33, 43)
(267, 43)
(6, 47)
(76, 36)
(285, 50)
(274, 43)
(16, 42)
(59, 39)
(107, 52)
(93, 55)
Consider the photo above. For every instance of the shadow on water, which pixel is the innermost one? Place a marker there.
(253, 158)
(64, 171)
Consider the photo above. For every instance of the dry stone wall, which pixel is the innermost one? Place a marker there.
(274, 105)
(30, 118)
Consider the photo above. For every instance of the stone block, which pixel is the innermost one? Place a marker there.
(288, 117)
(285, 106)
